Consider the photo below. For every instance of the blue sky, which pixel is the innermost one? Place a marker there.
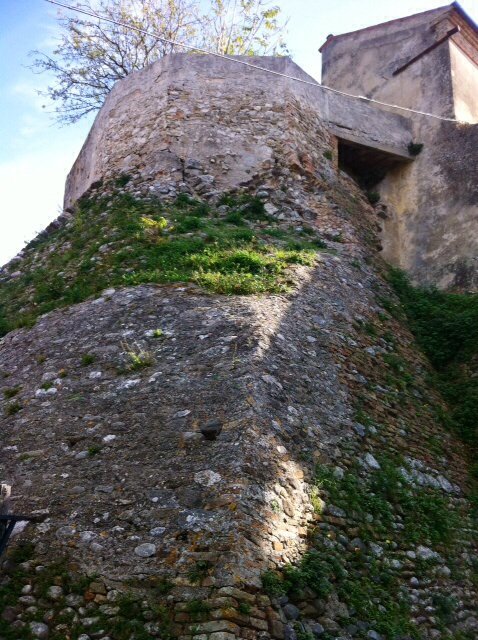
(36, 154)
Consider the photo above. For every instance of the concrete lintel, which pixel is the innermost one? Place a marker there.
(398, 153)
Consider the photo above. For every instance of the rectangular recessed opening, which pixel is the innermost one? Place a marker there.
(367, 164)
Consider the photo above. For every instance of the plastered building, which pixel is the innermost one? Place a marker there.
(425, 62)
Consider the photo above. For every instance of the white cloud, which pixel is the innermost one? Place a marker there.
(24, 89)
(31, 126)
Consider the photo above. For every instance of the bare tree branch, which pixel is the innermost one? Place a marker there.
(90, 55)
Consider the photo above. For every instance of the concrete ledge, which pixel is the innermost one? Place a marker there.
(394, 152)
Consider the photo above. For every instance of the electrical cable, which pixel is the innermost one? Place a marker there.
(249, 64)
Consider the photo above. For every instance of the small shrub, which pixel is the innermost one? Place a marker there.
(21, 552)
(11, 393)
(369, 328)
(201, 209)
(301, 633)
(398, 365)
(164, 586)
(328, 154)
(235, 217)
(199, 571)
(275, 506)
(415, 148)
(244, 608)
(337, 237)
(363, 417)
(122, 180)
(94, 450)
(5, 326)
(129, 606)
(273, 584)
(444, 606)
(373, 197)
(183, 200)
(313, 572)
(138, 358)
(87, 359)
(188, 223)
(317, 243)
(154, 228)
(13, 408)
(198, 609)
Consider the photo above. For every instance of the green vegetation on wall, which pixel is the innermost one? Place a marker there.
(390, 516)
(446, 328)
(235, 248)
(128, 622)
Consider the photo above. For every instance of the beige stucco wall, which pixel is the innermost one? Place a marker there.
(431, 228)
(464, 74)
(432, 225)
(444, 81)
(424, 86)
(363, 63)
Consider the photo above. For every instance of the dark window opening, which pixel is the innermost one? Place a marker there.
(367, 165)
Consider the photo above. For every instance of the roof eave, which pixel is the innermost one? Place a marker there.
(453, 5)
(459, 9)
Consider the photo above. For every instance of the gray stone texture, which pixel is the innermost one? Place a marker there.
(195, 106)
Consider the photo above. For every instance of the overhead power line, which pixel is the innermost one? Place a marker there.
(251, 65)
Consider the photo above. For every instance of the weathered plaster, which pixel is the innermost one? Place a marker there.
(363, 62)
(433, 205)
(431, 228)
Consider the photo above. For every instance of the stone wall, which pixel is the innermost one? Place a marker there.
(260, 431)
(145, 509)
(228, 117)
